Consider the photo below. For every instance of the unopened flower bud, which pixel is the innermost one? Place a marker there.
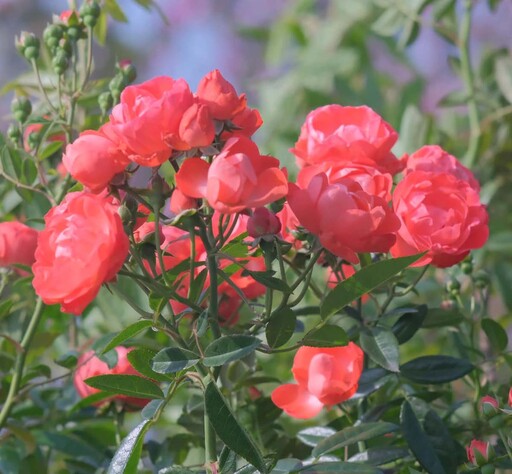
(76, 32)
(13, 132)
(146, 233)
(116, 86)
(21, 108)
(127, 69)
(453, 287)
(126, 214)
(28, 45)
(90, 12)
(52, 34)
(263, 223)
(479, 452)
(481, 279)
(105, 101)
(60, 62)
(489, 406)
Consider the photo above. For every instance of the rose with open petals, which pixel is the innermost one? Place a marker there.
(441, 215)
(94, 158)
(90, 366)
(325, 376)
(149, 116)
(17, 244)
(432, 158)
(370, 178)
(347, 135)
(346, 219)
(238, 178)
(82, 246)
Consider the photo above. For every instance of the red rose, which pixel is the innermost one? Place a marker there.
(90, 366)
(246, 122)
(148, 115)
(238, 178)
(433, 158)
(324, 375)
(94, 158)
(17, 244)
(82, 246)
(347, 135)
(440, 214)
(478, 452)
(346, 220)
(196, 129)
(220, 96)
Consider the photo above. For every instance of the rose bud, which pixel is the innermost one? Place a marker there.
(18, 244)
(479, 452)
(263, 223)
(489, 406)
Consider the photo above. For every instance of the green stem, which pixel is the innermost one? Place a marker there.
(88, 66)
(269, 292)
(469, 83)
(41, 87)
(210, 442)
(507, 447)
(20, 361)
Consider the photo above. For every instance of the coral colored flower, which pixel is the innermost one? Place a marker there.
(263, 223)
(196, 129)
(433, 158)
(290, 223)
(346, 135)
(90, 366)
(179, 202)
(246, 122)
(220, 96)
(370, 178)
(478, 452)
(94, 158)
(238, 178)
(148, 116)
(17, 244)
(146, 233)
(441, 215)
(510, 397)
(325, 376)
(346, 220)
(82, 246)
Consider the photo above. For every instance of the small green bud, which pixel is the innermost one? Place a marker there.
(105, 101)
(453, 287)
(127, 69)
(75, 33)
(126, 215)
(90, 21)
(28, 45)
(116, 86)
(65, 46)
(21, 108)
(467, 268)
(31, 52)
(33, 140)
(52, 34)
(60, 62)
(13, 132)
(481, 279)
(90, 11)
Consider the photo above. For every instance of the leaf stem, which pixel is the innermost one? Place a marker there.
(20, 361)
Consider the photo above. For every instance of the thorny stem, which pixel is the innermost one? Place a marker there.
(20, 361)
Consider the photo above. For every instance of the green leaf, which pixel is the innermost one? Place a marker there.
(409, 323)
(503, 74)
(352, 435)
(229, 348)
(141, 359)
(229, 430)
(281, 327)
(11, 163)
(90, 400)
(413, 130)
(131, 385)
(438, 317)
(381, 345)
(126, 458)
(174, 359)
(312, 436)
(67, 360)
(436, 369)
(379, 456)
(52, 148)
(496, 334)
(338, 467)
(127, 333)
(326, 336)
(418, 441)
(115, 11)
(362, 282)
(266, 279)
